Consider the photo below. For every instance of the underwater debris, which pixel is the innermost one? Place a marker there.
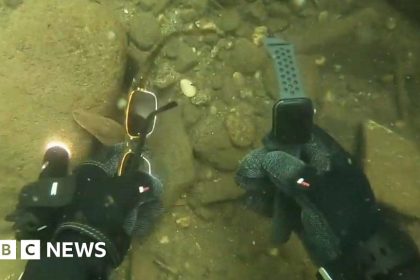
(165, 267)
(106, 130)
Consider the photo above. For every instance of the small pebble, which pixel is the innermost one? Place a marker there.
(320, 61)
(183, 222)
(165, 76)
(205, 24)
(213, 110)
(201, 99)
(260, 32)
(241, 130)
(238, 78)
(164, 240)
(111, 35)
(187, 88)
(337, 68)
(246, 93)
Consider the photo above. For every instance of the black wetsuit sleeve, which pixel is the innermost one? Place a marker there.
(67, 268)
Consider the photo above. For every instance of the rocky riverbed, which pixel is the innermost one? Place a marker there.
(359, 61)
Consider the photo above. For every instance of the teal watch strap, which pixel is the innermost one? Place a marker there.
(285, 65)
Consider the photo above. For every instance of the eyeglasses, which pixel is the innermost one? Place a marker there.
(141, 103)
(138, 125)
(141, 111)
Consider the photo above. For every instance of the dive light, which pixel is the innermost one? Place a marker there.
(56, 160)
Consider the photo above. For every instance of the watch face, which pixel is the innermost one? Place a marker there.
(293, 120)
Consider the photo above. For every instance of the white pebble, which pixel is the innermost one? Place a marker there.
(320, 61)
(187, 88)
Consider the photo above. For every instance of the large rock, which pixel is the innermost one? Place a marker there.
(55, 57)
(211, 144)
(186, 59)
(145, 31)
(229, 20)
(241, 129)
(222, 188)
(392, 164)
(247, 57)
(173, 160)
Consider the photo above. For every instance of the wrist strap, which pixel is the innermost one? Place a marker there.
(284, 62)
(96, 235)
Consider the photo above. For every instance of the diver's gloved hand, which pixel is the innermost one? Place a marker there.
(40, 207)
(113, 209)
(315, 191)
(41, 203)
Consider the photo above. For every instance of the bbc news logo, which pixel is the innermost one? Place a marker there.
(31, 249)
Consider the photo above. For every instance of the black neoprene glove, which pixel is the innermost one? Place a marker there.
(317, 192)
(112, 209)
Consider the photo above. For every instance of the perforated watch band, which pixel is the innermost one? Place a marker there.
(285, 65)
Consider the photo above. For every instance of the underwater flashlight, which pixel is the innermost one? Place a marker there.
(59, 144)
(56, 160)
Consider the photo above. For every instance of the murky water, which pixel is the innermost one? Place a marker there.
(359, 62)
